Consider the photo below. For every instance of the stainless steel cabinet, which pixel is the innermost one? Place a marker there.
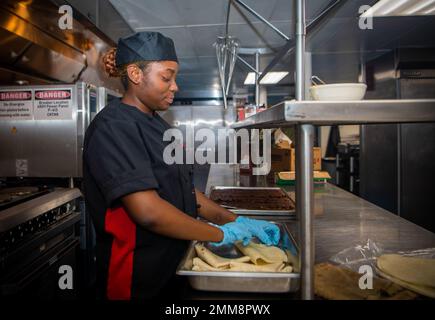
(42, 135)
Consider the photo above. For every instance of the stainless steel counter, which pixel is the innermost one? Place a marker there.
(341, 220)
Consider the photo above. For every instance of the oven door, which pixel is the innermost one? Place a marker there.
(41, 279)
(33, 270)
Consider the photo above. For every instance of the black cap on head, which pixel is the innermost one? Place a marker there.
(145, 46)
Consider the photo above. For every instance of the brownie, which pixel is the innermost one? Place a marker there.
(253, 199)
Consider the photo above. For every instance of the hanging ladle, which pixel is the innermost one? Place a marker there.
(315, 80)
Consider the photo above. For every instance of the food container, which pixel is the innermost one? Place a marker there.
(250, 110)
(289, 177)
(240, 113)
(243, 211)
(264, 282)
(261, 108)
(338, 91)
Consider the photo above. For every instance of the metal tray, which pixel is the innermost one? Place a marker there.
(291, 213)
(260, 282)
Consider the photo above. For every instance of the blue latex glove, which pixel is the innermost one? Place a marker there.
(266, 232)
(233, 232)
(287, 244)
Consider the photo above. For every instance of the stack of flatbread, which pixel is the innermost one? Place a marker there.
(415, 274)
(256, 258)
(337, 283)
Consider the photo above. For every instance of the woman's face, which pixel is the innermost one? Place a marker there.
(157, 86)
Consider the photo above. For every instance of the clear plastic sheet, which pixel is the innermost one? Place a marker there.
(356, 256)
(367, 253)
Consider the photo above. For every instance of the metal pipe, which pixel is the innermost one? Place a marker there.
(399, 169)
(305, 206)
(228, 18)
(332, 5)
(246, 63)
(253, 12)
(304, 166)
(221, 76)
(351, 171)
(224, 95)
(300, 50)
(290, 45)
(257, 83)
(233, 58)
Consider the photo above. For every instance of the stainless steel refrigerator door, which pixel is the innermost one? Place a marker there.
(46, 148)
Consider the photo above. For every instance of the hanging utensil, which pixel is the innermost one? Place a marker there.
(315, 80)
(220, 52)
(233, 47)
(226, 54)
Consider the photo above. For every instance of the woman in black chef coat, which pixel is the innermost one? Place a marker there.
(144, 210)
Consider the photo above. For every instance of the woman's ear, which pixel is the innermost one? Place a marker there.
(134, 73)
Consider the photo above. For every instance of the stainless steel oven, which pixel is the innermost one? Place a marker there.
(39, 234)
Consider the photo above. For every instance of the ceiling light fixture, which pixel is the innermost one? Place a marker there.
(250, 78)
(420, 7)
(389, 8)
(270, 78)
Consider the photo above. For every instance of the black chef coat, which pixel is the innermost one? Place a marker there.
(123, 153)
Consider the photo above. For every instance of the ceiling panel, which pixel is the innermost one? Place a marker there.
(148, 13)
(184, 43)
(273, 38)
(203, 39)
(263, 8)
(194, 26)
(194, 12)
(284, 9)
(198, 65)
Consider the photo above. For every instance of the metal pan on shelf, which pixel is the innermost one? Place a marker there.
(238, 209)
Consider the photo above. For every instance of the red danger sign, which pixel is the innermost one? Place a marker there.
(52, 94)
(15, 95)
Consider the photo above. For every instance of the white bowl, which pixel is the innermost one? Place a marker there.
(338, 91)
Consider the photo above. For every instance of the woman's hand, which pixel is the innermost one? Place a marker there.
(266, 232)
(233, 232)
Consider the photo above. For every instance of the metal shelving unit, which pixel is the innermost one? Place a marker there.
(292, 112)
(305, 115)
